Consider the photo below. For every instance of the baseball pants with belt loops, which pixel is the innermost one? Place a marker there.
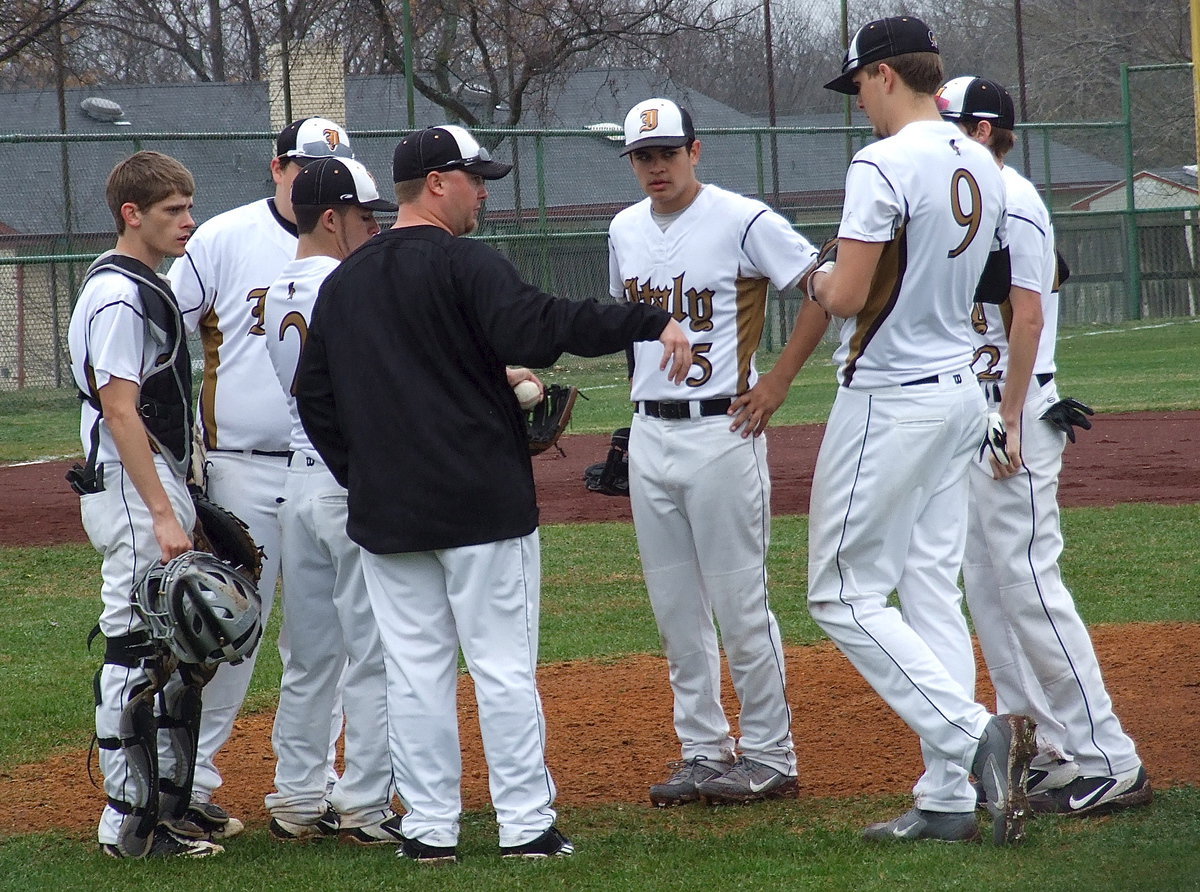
(1036, 646)
(484, 599)
(889, 503)
(333, 648)
(701, 498)
(120, 528)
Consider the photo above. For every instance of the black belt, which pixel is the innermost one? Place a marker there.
(932, 379)
(1044, 378)
(674, 409)
(273, 453)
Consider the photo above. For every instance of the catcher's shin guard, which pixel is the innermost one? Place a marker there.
(181, 719)
(137, 739)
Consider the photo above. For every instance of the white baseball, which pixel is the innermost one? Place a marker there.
(528, 394)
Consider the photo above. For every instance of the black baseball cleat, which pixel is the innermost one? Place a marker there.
(551, 844)
(378, 833)
(415, 850)
(1089, 796)
(168, 845)
(324, 827)
(217, 822)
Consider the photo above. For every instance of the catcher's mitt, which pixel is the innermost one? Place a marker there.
(548, 419)
(225, 536)
(611, 476)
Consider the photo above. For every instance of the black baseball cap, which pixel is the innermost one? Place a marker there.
(976, 97)
(328, 181)
(445, 147)
(313, 138)
(882, 39)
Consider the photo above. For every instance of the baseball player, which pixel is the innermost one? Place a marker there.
(128, 357)
(403, 390)
(222, 283)
(1037, 648)
(922, 229)
(701, 494)
(328, 623)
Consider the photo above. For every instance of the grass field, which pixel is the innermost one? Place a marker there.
(1125, 564)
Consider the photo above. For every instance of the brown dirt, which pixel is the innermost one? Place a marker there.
(610, 725)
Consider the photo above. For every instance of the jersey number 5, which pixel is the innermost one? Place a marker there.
(970, 215)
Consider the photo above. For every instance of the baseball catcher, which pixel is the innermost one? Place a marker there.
(225, 535)
(199, 612)
(548, 419)
(611, 476)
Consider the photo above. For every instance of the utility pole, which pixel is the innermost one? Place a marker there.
(771, 102)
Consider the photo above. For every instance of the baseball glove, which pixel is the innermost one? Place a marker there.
(1068, 414)
(611, 476)
(225, 536)
(548, 419)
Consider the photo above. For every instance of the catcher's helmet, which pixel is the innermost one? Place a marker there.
(201, 608)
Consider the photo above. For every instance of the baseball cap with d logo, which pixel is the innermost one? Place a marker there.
(657, 122)
(313, 138)
(882, 39)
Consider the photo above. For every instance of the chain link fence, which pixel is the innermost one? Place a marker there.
(1128, 229)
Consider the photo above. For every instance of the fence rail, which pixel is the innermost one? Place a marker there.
(1129, 235)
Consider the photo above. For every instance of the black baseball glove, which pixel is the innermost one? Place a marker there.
(1068, 414)
(548, 419)
(611, 476)
(225, 536)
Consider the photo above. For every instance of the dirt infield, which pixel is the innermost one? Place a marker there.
(1134, 457)
(609, 725)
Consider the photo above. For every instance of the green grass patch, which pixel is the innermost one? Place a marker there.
(812, 844)
(49, 603)
(594, 606)
(38, 424)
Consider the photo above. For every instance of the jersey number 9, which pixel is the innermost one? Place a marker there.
(970, 215)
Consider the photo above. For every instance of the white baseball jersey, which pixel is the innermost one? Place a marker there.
(221, 284)
(939, 217)
(107, 340)
(710, 270)
(286, 316)
(1034, 267)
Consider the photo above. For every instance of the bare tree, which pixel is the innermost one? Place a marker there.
(28, 34)
(478, 59)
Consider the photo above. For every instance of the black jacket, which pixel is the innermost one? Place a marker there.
(402, 385)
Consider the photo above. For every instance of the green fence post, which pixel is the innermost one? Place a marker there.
(543, 253)
(1133, 252)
